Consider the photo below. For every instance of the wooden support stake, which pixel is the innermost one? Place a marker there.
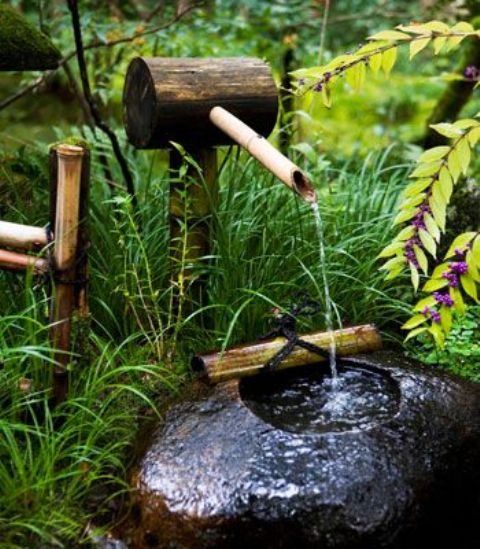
(255, 144)
(65, 250)
(248, 360)
(14, 261)
(20, 236)
(191, 203)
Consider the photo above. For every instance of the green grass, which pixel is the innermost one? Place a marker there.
(62, 469)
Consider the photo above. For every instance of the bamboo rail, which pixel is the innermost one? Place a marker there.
(250, 359)
(256, 145)
(14, 261)
(25, 237)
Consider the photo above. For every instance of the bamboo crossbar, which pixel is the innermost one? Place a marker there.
(250, 359)
(255, 144)
(14, 261)
(25, 237)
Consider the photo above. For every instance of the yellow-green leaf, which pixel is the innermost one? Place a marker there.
(469, 286)
(437, 26)
(389, 35)
(454, 166)
(439, 270)
(405, 233)
(416, 332)
(460, 242)
(393, 263)
(446, 319)
(446, 183)
(428, 242)
(404, 216)
(388, 60)
(463, 150)
(414, 276)
(472, 267)
(421, 258)
(416, 187)
(356, 76)
(434, 285)
(438, 44)
(459, 304)
(375, 62)
(476, 251)
(417, 46)
(447, 130)
(466, 123)
(413, 202)
(425, 302)
(414, 322)
(438, 335)
(432, 226)
(473, 136)
(424, 170)
(391, 249)
(438, 213)
(431, 155)
(326, 96)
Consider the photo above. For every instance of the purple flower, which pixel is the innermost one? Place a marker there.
(327, 76)
(471, 72)
(435, 315)
(452, 279)
(460, 253)
(318, 86)
(443, 299)
(460, 268)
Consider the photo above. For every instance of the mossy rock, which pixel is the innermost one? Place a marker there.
(22, 46)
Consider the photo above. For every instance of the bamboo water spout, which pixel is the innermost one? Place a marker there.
(272, 159)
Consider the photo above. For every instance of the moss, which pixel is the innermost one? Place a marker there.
(22, 46)
(71, 140)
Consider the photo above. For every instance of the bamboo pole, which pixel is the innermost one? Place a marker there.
(20, 262)
(250, 359)
(256, 145)
(67, 206)
(20, 236)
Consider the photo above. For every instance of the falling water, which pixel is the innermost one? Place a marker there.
(328, 301)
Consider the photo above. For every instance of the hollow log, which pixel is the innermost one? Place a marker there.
(255, 144)
(250, 359)
(20, 236)
(14, 261)
(170, 99)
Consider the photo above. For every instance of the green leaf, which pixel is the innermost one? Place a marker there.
(463, 151)
(469, 286)
(473, 136)
(434, 285)
(356, 76)
(425, 302)
(446, 319)
(414, 322)
(460, 242)
(391, 249)
(438, 335)
(414, 276)
(465, 123)
(375, 62)
(459, 304)
(431, 155)
(437, 26)
(439, 270)
(389, 35)
(413, 202)
(393, 263)
(405, 233)
(454, 165)
(432, 226)
(326, 96)
(446, 183)
(472, 268)
(438, 212)
(404, 216)
(388, 60)
(438, 44)
(447, 130)
(424, 170)
(421, 258)
(415, 187)
(416, 332)
(476, 251)
(428, 242)
(417, 46)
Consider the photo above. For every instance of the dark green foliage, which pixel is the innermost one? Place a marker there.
(461, 354)
(22, 46)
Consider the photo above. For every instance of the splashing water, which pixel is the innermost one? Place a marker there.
(328, 301)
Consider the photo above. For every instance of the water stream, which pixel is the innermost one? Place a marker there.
(328, 301)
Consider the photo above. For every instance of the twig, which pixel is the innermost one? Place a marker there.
(323, 31)
(93, 45)
(87, 92)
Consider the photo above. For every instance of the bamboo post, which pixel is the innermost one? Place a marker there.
(196, 194)
(67, 207)
(272, 159)
(19, 262)
(20, 236)
(250, 359)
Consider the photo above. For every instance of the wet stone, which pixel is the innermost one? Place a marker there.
(389, 459)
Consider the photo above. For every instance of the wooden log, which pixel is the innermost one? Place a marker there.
(255, 144)
(169, 99)
(68, 183)
(192, 201)
(14, 261)
(250, 359)
(20, 236)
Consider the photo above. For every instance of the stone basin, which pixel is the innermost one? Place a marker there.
(269, 462)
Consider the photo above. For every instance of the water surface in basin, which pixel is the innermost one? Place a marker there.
(307, 400)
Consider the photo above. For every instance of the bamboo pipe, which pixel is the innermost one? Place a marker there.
(256, 145)
(20, 236)
(68, 183)
(250, 359)
(19, 262)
